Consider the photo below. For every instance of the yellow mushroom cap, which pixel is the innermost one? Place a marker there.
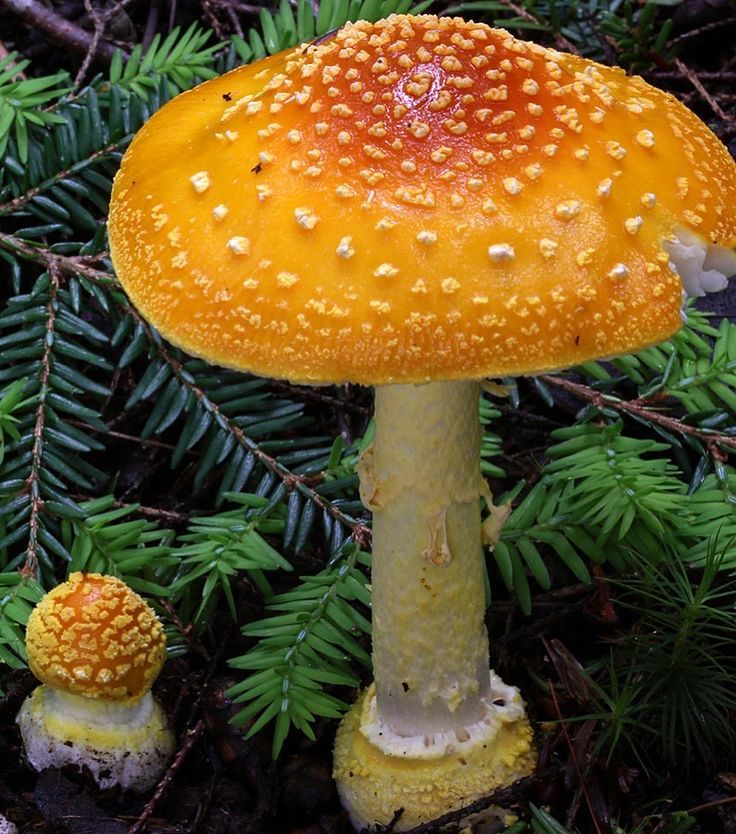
(419, 198)
(94, 636)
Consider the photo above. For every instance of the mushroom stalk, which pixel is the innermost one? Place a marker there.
(421, 478)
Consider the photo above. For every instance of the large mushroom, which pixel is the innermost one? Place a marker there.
(417, 204)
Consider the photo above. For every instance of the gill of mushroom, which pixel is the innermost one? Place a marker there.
(417, 204)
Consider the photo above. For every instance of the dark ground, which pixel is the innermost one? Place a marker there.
(223, 784)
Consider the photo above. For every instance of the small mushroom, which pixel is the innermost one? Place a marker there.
(97, 648)
(416, 204)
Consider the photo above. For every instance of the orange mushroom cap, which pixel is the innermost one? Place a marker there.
(94, 636)
(420, 198)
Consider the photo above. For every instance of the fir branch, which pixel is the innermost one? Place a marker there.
(18, 595)
(701, 90)
(713, 529)
(181, 59)
(43, 340)
(641, 409)
(23, 199)
(33, 481)
(543, 520)
(107, 539)
(83, 265)
(304, 647)
(20, 100)
(622, 487)
(291, 481)
(218, 547)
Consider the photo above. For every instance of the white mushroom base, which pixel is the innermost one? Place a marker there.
(125, 744)
(429, 776)
(6, 826)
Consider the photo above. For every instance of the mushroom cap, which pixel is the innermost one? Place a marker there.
(94, 636)
(416, 199)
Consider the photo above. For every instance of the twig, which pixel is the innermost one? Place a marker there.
(696, 82)
(100, 21)
(58, 28)
(130, 438)
(582, 781)
(703, 30)
(27, 196)
(671, 75)
(115, 9)
(33, 481)
(317, 395)
(639, 408)
(209, 10)
(190, 739)
(244, 8)
(232, 13)
(151, 24)
(67, 264)
(502, 796)
(157, 513)
(707, 806)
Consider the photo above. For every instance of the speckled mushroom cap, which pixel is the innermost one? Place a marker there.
(420, 198)
(94, 636)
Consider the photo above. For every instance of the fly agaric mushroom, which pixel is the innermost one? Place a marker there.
(97, 647)
(416, 204)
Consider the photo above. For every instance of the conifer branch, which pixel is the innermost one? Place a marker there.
(65, 264)
(639, 408)
(22, 199)
(301, 483)
(33, 481)
(698, 85)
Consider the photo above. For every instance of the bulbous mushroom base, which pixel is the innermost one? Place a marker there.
(374, 784)
(125, 744)
(6, 826)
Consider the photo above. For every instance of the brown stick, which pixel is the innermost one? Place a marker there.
(58, 28)
(190, 739)
(33, 481)
(697, 83)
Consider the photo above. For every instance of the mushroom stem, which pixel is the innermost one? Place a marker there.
(421, 478)
(438, 729)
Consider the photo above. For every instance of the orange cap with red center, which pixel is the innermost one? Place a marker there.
(420, 198)
(94, 636)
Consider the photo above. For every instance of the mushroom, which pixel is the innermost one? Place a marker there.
(97, 647)
(417, 204)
